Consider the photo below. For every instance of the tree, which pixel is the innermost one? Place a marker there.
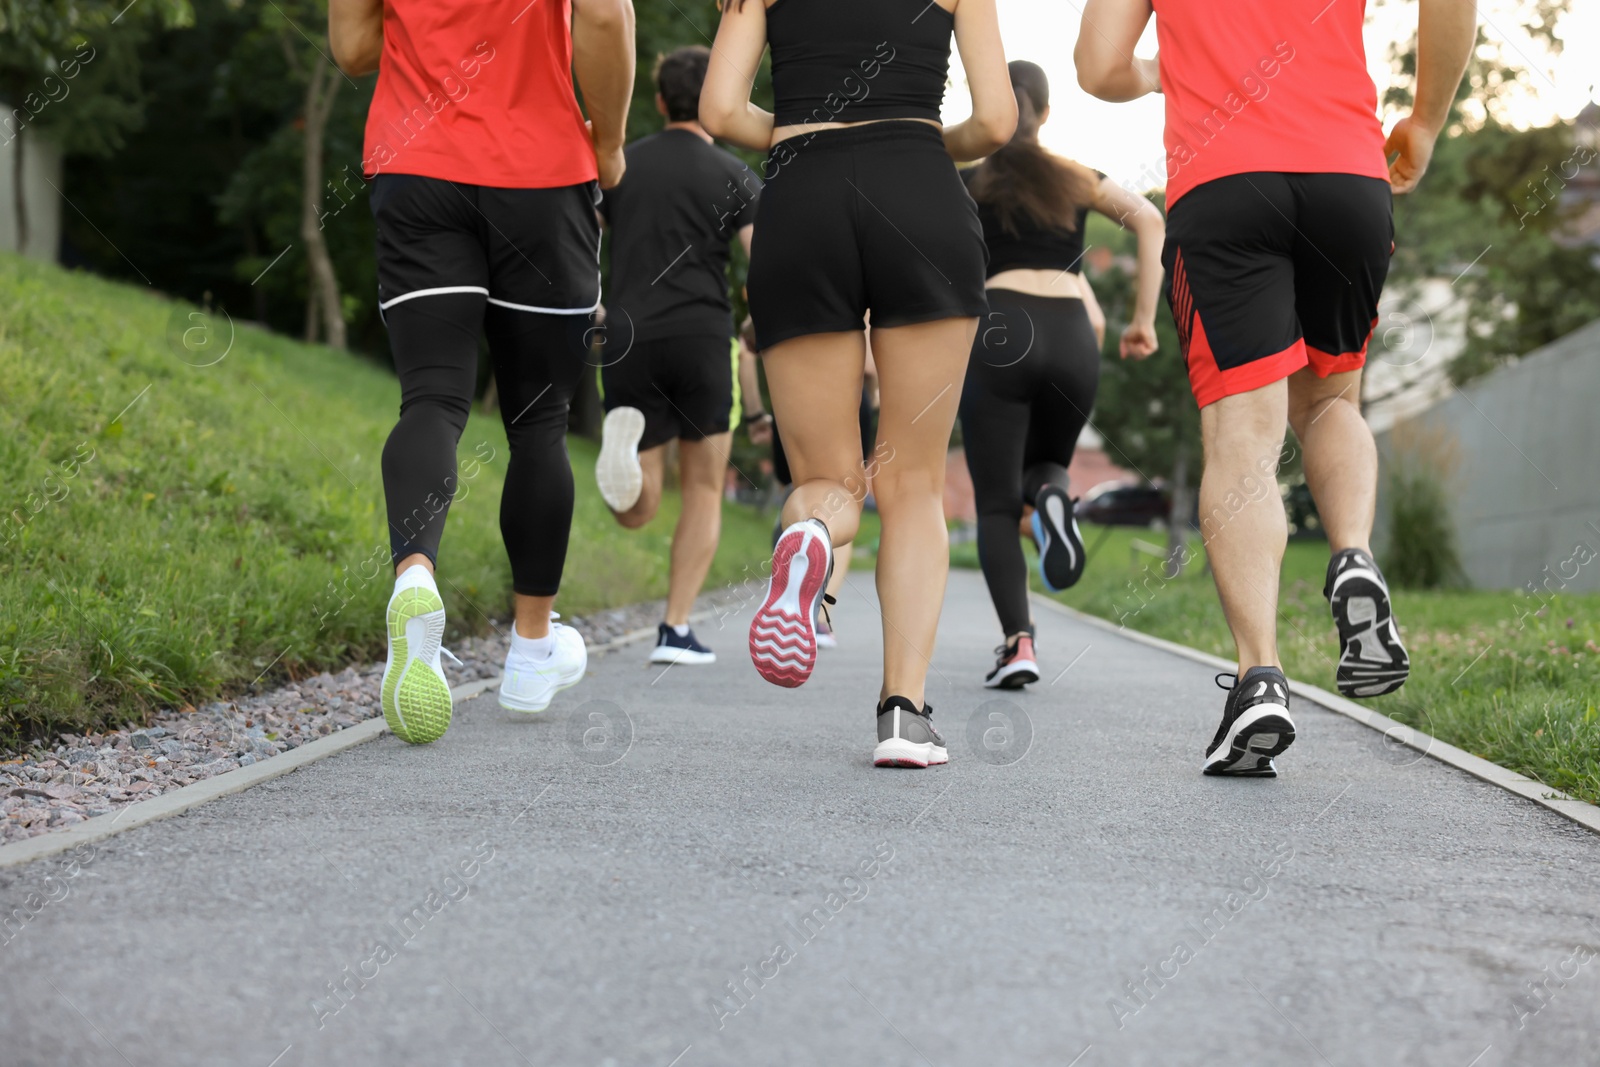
(45, 47)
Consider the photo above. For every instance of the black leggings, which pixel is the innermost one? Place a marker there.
(538, 360)
(1030, 385)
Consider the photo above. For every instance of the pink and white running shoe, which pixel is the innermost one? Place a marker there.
(783, 636)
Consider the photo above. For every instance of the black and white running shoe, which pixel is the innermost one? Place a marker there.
(1372, 661)
(906, 737)
(1016, 666)
(673, 647)
(1255, 725)
(1055, 531)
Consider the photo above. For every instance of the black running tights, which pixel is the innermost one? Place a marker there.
(538, 360)
(1030, 386)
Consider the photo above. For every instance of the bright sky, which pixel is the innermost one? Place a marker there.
(1124, 140)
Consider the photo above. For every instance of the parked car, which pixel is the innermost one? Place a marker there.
(1125, 504)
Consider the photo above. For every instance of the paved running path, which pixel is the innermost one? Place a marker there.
(1366, 908)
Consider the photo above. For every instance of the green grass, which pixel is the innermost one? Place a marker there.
(1507, 677)
(230, 522)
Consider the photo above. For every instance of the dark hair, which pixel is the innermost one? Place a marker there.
(1024, 181)
(679, 76)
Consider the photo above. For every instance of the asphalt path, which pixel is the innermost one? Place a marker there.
(687, 867)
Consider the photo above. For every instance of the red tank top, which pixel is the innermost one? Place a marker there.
(479, 93)
(1270, 85)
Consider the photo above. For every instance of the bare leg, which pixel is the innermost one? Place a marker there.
(1241, 515)
(841, 567)
(702, 468)
(1341, 460)
(815, 383)
(921, 369)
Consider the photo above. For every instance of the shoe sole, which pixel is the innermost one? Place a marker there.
(1051, 546)
(686, 656)
(898, 752)
(783, 638)
(1362, 612)
(531, 710)
(617, 471)
(1014, 676)
(415, 695)
(1260, 734)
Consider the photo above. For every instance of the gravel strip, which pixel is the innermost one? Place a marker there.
(92, 774)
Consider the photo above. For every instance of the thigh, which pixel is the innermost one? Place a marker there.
(703, 462)
(1229, 259)
(543, 248)
(702, 386)
(1341, 258)
(428, 240)
(1067, 381)
(921, 371)
(994, 432)
(815, 386)
(538, 360)
(638, 380)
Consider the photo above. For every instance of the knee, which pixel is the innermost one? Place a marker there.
(634, 517)
(447, 408)
(1304, 411)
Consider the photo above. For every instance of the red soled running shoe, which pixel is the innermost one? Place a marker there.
(783, 636)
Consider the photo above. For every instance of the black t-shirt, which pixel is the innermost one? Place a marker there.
(1032, 247)
(679, 204)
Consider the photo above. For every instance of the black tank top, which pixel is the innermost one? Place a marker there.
(853, 60)
(1032, 247)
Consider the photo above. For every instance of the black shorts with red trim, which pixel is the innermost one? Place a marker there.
(1269, 272)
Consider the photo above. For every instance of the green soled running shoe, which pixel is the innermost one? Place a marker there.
(416, 696)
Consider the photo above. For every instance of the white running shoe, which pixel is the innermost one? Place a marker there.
(415, 694)
(531, 682)
(617, 471)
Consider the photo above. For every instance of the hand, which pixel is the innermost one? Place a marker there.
(1411, 145)
(609, 160)
(1150, 71)
(759, 428)
(1138, 340)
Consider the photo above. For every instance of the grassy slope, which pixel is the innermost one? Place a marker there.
(233, 515)
(1531, 702)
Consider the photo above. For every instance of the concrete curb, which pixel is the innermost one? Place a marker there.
(193, 795)
(1580, 812)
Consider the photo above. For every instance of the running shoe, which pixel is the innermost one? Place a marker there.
(1372, 661)
(906, 737)
(1016, 666)
(783, 635)
(671, 648)
(617, 471)
(415, 695)
(531, 681)
(1055, 531)
(1255, 725)
(825, 637)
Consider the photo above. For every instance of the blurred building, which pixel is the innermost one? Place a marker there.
(41, 182)
(1517, 452)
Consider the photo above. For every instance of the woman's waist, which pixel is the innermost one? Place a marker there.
(1051, 283)
(846, 136)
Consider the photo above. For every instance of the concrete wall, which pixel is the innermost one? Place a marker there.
(1520, 453)
(41, 164)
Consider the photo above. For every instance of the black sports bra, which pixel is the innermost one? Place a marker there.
(853, 60)
(1033, 246)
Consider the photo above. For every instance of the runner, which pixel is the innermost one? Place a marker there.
(863, 214)
(671, 221)
(1036, 360)
(1279, 236)
(484, 179)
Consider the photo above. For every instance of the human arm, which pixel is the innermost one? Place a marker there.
(602, 60)
(725, 107)
(1446, 31)
(757, 423)
(1097, 317)
(994, 103)
(747, 235)
(355, 34)
(1107, 67)
(1134, 212)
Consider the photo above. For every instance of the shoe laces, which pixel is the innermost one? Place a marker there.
(828, 600)
(452, 656)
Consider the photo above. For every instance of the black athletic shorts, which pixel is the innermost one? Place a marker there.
(525, 249)
(1268, 273)
(686, 386)
(863, 218)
